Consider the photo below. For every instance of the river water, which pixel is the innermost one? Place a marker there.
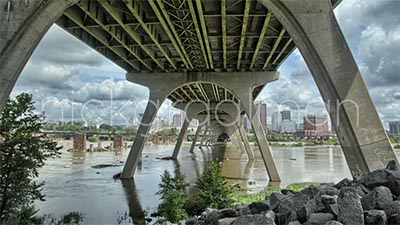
(72, 184)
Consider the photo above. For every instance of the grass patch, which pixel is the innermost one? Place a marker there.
(397, 146)
(240, 197)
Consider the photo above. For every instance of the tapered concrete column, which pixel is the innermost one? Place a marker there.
(314, 28)
(195, 139)
(140, 139)
(204, 136)
(246, 143)
(181, 136)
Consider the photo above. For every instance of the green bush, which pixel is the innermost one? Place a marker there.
(173, 195)
(213, 190)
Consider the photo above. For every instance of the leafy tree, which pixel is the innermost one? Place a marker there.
(173, 195)
(213, 190)
(22, 151)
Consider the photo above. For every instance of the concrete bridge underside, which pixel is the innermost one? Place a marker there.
(211, 51)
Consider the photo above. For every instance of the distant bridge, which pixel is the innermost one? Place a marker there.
(211, 51)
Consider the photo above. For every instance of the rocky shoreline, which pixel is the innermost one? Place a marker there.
(371, 199)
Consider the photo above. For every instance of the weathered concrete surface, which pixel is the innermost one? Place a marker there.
(314, 29)
(22, 26)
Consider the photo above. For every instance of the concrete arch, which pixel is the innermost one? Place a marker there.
(20, 35)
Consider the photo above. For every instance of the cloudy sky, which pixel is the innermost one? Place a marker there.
(69, 79)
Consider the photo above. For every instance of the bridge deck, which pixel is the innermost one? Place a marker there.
(182, 35)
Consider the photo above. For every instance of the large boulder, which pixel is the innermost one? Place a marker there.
(379, 198)
(394, 182)
(393, 209)
(303, 214)
(275, 199)
(350, 208)
(394, 219)
(375, 217)
(258, 207)
(393, 165)
(226, 221)
(319, 218)
(256, 219)
(243, 210)
(374, 179)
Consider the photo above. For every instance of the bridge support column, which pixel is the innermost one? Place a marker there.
(203, 138)
(195, 139)
(260, 136)
(136, 151)
(316, 32)
(181, 136)
(246, 143)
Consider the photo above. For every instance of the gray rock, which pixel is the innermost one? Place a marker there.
(243, 210)
(275, 199)
(343, 183)
(394, 182)
(319, 218)
(294, 223)
(379, 198)
(394, 219)
(333, 208)
(393, 208)
(193, 221)
(350, 208)
(226, 221)
(212, 218)
(304, 213)
(256, 219)
(288, 192)
(361, 189)
(333, 223)
(374, 179)
(393, 165)
(375, 217)
(228, 213)
(258, 207)
(328, 199)
(270, 214)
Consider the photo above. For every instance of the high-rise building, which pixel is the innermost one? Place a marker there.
(288, 126)
(276, 121)
(286, 115)
(262, 112)
(394, 128)
(316, 125)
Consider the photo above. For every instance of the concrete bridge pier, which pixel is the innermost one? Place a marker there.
(181, 136)
(204, 136)
(246, 143)
(198, 130)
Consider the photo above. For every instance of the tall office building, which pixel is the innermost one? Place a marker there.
(394, 128)
(315, 125)
(286, 115)
(262, 111)
(276, 121)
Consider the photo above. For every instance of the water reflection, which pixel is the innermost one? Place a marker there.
(135, 209)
